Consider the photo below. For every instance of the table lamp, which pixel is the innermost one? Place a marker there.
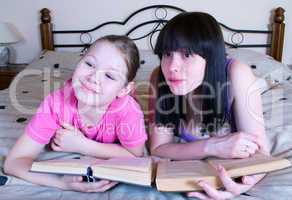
(8, 35)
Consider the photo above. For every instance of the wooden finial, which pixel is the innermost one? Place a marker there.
(45, 15)
(278, 29)
(279, 15)
(46, 30)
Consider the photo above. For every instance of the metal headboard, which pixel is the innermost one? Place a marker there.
(158, 23)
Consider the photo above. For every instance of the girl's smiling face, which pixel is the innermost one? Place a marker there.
(183, 71)
(100, 75)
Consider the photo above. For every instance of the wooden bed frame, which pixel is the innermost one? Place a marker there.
(275, 32)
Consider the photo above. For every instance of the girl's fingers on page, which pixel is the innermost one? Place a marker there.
(108, 186)
(77, 178)
(100, 186)
(57, 140)
(55, 147)
(67, 126)
(59, 132)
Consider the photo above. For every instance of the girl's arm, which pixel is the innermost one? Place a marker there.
(69, 139)
(19, 160)
(103, 150)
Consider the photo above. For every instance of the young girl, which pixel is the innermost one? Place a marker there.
(92, 114)
(208, 102)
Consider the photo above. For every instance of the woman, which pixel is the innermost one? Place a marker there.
(210, 103)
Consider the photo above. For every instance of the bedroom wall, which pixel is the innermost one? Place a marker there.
(83, 14)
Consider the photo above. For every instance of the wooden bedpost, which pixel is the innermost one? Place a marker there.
(46, 29)
(278, 28)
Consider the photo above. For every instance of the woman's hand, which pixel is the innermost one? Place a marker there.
(232, 189)
(236, 145)
(75, 183)
(68, 139)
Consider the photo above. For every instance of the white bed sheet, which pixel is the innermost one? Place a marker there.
(30, 90)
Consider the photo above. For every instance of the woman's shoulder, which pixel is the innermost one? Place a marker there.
(239, 71)
(241, 77)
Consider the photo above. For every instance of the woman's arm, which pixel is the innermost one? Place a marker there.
(247, 106)
(162, 139)
(249, 119)
(162, 145)
(230, 146)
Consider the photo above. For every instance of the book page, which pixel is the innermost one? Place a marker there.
(184, 175)
(258, 163)
(191, 168)
(62, 166)
(142, 164)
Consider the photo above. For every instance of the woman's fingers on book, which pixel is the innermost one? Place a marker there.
(252, 180)
(213, 193)
(226, 180)
(199, 195)
(247, 180)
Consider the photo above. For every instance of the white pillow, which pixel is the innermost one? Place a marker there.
(263, 65)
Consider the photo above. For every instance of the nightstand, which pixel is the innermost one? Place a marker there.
(8, 73)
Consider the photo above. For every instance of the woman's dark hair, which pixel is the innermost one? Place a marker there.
(199, 33)
(129, 51)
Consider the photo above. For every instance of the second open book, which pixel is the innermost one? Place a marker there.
(169, 175)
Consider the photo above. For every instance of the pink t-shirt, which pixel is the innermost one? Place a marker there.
(123, 122)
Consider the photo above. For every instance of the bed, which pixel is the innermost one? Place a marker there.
(54, 65)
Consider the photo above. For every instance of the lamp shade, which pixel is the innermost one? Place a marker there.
(8, 33)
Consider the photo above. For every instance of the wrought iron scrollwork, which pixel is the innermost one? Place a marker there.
(161, 13)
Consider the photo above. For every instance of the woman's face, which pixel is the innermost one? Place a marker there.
(183, 71)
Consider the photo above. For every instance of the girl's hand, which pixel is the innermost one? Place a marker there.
(236, 145)
(75, 183)
(232, 189)
(68, 139)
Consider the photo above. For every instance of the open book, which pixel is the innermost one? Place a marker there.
(183, 175)
(170, 175)
(130, 170)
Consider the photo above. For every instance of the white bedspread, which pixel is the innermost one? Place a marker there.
(16, 112)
